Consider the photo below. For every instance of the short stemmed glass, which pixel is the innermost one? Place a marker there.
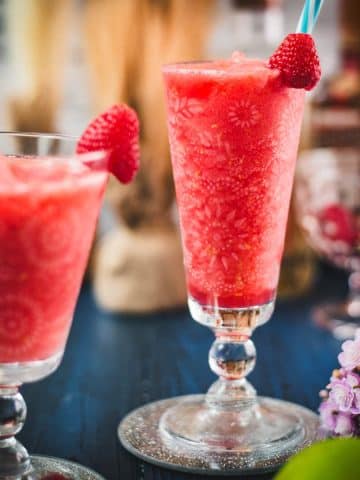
(234, 132)
(49, 204)
(328, 207)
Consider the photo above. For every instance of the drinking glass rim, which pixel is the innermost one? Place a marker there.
(186, 63)
(86, 156)
(50, 135)
(204, 67)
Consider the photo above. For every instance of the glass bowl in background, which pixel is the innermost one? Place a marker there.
(327, 199)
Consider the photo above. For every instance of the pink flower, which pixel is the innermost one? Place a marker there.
(341, 423)
(356, 403)
(352, 379)
(328, 413)
(342, 395)
(340, 409)
(344, 424)
(350, 356)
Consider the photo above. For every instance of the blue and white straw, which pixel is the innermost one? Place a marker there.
(309, 16)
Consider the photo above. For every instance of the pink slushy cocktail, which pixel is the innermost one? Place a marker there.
(48, 212)
(234, 132)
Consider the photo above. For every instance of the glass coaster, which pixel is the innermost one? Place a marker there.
(44, 466)
(141, 434)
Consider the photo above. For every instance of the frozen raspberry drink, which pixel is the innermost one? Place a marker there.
(48, 212)
(234, 130)
(51, 188)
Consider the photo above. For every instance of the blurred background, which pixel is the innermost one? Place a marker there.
(230, 29)
(62, 62)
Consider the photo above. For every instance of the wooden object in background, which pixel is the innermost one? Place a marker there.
(38, 45)
(138, 266)
(126, 42)
(140, 270)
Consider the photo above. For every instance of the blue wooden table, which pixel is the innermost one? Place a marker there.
(115, 363)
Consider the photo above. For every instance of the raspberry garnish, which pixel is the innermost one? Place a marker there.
(116, 130)
(298, 61)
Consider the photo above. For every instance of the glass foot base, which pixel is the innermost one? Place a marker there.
(44, 467)
(184, 434)
(342, 319)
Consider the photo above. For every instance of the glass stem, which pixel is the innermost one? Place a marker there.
(14, 458)
(232, 357)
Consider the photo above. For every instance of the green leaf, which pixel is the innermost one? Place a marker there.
(336, 459)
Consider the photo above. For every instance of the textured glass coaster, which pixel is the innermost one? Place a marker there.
(140, 434)
(72, 471)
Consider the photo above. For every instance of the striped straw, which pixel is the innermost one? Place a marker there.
(309, 16)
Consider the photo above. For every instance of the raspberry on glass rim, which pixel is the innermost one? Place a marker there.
(116, 131)
(297, 60)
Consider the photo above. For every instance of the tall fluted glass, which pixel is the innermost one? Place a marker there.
(234, 131)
